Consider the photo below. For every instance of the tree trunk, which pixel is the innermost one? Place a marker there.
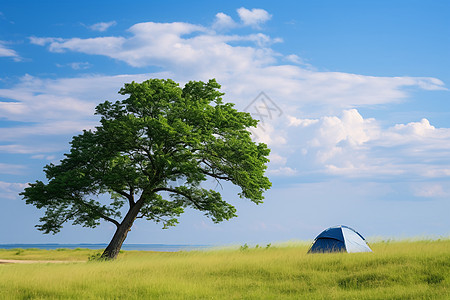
(119, 237)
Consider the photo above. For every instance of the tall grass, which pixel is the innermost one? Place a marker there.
(395, 270)
(78, 254)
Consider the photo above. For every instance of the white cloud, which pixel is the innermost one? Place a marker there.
(350, 145)
(6, 52)
(276, 159)
(66, 99)
(80, 65)
(76, 65)
(244, 70)
(36, 100)
(101, 45)
(11, 190)
(28, 149)
(293, 121)
(334, 133)
(241, 69)
(416, 131)
(254, 17)
(268, 135)
(42, 156)
(429, 190)
(277, 166)
(102, 26)
(43, 41)
(224, 21)
(48, 128)
(293, 58)
(11, 169)
(282, 171)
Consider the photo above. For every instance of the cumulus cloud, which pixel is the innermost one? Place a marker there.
(268, 135)
(254, 17)
(224, 21)
(349, 145)
(193, 51)
(293, 121)
(416, 131)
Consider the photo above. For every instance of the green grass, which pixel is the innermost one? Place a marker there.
(395, 270)
(77, 254)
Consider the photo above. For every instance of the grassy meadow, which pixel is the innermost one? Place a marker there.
(395, 270)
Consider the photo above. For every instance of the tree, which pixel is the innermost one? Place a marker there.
(150, 155)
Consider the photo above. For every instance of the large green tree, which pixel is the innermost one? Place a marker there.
(150, 155)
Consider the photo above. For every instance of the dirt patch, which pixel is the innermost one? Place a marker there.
(16, 261)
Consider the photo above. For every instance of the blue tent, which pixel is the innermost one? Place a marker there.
(339, 239)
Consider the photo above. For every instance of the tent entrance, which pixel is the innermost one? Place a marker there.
(323, 245)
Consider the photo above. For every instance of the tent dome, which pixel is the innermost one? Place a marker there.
(339, 239)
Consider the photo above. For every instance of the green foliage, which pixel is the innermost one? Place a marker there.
(152, 152)
(244, 247)
(434, 278)
(96, 257)
(257, 246)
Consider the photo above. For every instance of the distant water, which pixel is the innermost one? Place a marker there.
(140, 247)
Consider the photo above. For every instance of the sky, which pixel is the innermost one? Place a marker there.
(352, 96)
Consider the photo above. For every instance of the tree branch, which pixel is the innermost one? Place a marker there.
(126, 195)
(213, 174)
(149, 155)
(96, 209)
(175, 191)
(110, 220)
(67, 218)
(216, 175)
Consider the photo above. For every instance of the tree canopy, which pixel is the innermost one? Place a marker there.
(150, 155)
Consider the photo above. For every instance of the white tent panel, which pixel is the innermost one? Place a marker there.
(353, 242)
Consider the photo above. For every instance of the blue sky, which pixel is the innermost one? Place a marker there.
(359, 127)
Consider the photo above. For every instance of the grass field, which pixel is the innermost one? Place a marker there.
(395, 270)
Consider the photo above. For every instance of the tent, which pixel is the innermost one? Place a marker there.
(339, 239)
